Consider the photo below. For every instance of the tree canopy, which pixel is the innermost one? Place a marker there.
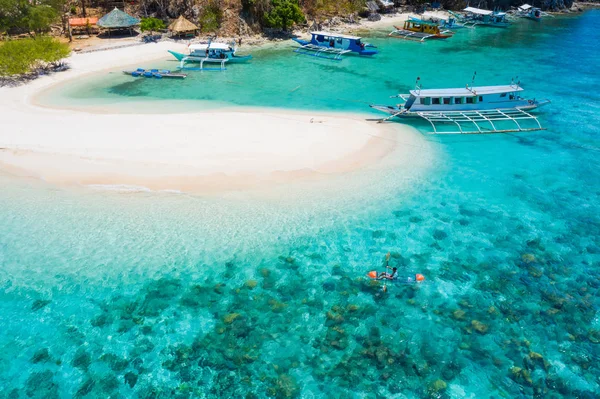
(151, 24)
(22, 56)
(28, 16)
(283, 14)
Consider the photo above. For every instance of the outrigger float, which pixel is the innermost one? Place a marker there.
(420, 31)
(333, 46)
(155, 73)
(470, 110)
(209, 53)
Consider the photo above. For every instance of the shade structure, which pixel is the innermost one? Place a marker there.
(77, 22)
(181, 25)
(117, 19)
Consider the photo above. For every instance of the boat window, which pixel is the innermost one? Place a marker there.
(339, 40)
(458, 100)
(480, 98)
(320, 38)
(503, 95)
(512, 96)
(435, 100)
(448, 100)
(470, 100)
(426, 100)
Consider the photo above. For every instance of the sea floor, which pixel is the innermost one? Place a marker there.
(133, 293)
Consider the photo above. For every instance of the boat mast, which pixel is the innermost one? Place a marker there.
(472, 84)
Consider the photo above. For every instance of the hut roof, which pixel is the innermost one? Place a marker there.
(83, 21)
(182, 25)
(117, 19)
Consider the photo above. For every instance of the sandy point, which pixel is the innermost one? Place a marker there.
(191, 151)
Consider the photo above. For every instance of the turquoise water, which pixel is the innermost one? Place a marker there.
(144, 294)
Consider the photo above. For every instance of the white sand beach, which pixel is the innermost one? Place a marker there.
(211, 150)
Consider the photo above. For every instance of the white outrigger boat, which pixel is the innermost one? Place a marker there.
(531, 12)
(209, 53)
(484, 109)
(480, 17)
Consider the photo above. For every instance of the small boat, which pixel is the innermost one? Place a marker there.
(420, 31)
(210, 53)
(443, 23)
(155, 73)
(333, 46)
(530, 12)
(471, 109)
(477, 16)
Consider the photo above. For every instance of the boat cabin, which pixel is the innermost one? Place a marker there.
(422, 26)
(469, 98)
(211, 50)
(335, 40)
(486, 17)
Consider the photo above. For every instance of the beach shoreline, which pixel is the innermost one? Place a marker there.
(207, 151)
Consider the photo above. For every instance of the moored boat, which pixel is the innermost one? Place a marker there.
(211, 53)
(155, 73)
(443, 23)
(475, 106)
(480, 17)
(420, 30)
(333, 46)
(530, 12)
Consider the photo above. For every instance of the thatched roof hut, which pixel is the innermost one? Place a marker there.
(182, 26)
(117, 19)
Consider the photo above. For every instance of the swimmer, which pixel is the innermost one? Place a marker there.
(388, 276)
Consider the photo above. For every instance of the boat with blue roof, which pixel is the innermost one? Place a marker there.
(333, 45)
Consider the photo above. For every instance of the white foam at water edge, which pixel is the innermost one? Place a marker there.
(119, 187)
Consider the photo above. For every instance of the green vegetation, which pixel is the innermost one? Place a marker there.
(21, 16)
(211, 17)
(151, 24)
(18, 57)
(283, 14)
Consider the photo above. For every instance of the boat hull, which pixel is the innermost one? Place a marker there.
(232, 59)
(402, 112)
(364, 52)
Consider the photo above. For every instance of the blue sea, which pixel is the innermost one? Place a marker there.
(135, 293)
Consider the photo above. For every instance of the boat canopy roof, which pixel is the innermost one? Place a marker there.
(525, 7)
(331, 34)
(210, 46)
(463, 91)
(478, 11)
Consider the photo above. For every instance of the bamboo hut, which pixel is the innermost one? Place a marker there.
(79, 25)
(182, 26)
(117, 20)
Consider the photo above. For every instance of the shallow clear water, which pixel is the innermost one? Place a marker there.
(161, 295)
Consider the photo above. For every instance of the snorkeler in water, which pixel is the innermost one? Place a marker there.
(388, 276)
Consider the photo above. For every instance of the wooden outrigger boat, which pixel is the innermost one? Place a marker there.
(530, 12)
(420, 31)
(484, 109)
(155, 73)
(209, 53)
(480, 17)
(443, 23)
(333, 46)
